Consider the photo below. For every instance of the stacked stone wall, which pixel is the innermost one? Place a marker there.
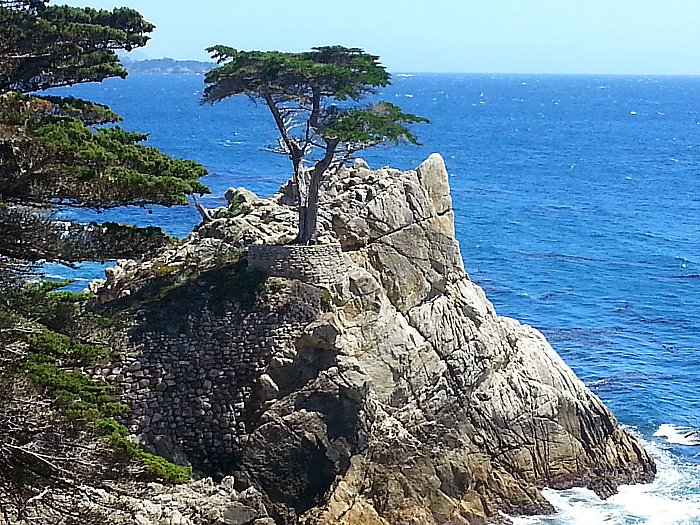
(321, 265)
(188, 388)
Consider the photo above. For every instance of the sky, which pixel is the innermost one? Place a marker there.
(649, 37)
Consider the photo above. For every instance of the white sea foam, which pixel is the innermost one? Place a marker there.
(672, 499)
(679, 435)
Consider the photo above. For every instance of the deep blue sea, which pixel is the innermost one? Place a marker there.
(577, 202)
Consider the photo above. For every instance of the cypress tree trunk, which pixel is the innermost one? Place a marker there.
(302, 225)
(308, 211)
(308, 214)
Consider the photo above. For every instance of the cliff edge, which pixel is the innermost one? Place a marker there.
(394, 394)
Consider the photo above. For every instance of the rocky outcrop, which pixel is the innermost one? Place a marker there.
(197, 503)
(406, 399)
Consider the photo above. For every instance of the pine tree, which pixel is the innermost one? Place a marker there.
(54, 152)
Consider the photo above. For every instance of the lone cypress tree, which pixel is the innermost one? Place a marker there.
(310, 96)
(51, 152)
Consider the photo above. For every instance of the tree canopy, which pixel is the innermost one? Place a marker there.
(51, 155)
(313, 97)
(52, 151)
(45, 46)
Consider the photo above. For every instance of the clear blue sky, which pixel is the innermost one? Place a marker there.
(485, 36)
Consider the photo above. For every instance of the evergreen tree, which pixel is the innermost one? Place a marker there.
(311, 96)
(45, 46)
(51, 151)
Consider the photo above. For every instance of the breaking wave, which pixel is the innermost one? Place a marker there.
(679, 435)
(673, 498)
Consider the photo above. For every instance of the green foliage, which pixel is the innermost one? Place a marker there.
(378, 123)
(32, 235)
(52, 343)
(332, 71)
(223, 286)
(76, 394)
(116, 240)
(117, 435)
(80, 397)
(307, 81)
(62, 45)
(90, 113)
(308, 95)
(236, 208)
(48, 154)
(42, 288)
(158, 269)
(51, 361)
(234, 285)
(33, 315)
(275, 286)
(228, 256)
(52, 155)
(169, 300)
(326, 296)
(107, 426)
(16, 109)
(157, 465)
(50, 321)
(52, 311)
(27, 317)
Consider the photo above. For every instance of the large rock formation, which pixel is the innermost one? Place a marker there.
(404, 397)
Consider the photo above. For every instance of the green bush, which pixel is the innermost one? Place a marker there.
(117, 435)
(52, 354)
(236, 208)
(52, 343)
(77, 395)
(275, 286)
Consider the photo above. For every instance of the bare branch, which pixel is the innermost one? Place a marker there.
(37, 497)
(279, 120)
(202, 211)
(40, 459)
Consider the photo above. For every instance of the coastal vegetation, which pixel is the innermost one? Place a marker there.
(65, 152)
(58, 426)
(367, 379)
(53, 154)
(311, 96)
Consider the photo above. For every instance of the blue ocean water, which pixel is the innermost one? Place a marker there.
(577, 204)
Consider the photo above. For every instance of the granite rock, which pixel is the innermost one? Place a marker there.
(402, 397)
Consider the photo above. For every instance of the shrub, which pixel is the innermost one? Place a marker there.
(117, 435)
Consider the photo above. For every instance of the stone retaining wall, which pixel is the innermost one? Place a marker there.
(189, 382)
(321, 265)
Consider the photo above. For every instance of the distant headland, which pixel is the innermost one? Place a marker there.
(166, 66)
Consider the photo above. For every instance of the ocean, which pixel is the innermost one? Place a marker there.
(577, 203)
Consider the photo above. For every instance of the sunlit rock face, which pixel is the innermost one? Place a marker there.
(401, 396)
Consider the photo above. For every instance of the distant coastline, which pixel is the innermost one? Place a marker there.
(166, 66)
